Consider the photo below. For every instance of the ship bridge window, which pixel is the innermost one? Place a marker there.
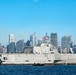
(0, 55)
(52, 52)
(5, 58)
(26, 60)
(49, 60)
(47, 45)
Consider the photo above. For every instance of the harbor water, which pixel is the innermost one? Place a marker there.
(37, 70)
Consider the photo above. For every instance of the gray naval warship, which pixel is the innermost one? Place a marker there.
(45, 54)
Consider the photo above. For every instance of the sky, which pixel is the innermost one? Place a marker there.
(25, 17)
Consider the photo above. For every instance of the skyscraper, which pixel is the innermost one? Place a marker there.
(65, 42)
(33, 39)
(20, 46)
(11, 38)
(11, 48)
(54, 39)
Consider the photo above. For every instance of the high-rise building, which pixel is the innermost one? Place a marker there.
(27, 43)
(11, 48)
(1, 49)
(74, 49)
(54, 39)
(11, 38)
(33, 39)
(20, 46)
(65, 42)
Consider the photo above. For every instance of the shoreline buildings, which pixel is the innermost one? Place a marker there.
(26, 47)
(54, 39)
(11, 47)
(11, 38)
(65, 43)
(33, 40)
(20, 46)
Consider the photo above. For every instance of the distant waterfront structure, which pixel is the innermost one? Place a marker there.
(1, 49)
(11, 38)
(33, 39)
(59, 49)
(74, 49)
(65, 42)
(27, 43)
(11, 48)
(20, 46)
(54, 39)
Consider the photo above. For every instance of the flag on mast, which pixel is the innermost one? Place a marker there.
(44, 38)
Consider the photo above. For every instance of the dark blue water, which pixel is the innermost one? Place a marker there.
(37, 70)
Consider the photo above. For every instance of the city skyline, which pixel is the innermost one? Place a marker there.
(24, 17)
(52, 38)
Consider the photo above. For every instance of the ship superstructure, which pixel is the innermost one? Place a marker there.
(45, 54)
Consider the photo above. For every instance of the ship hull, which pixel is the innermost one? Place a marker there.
(27, 59)
(38, 59)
